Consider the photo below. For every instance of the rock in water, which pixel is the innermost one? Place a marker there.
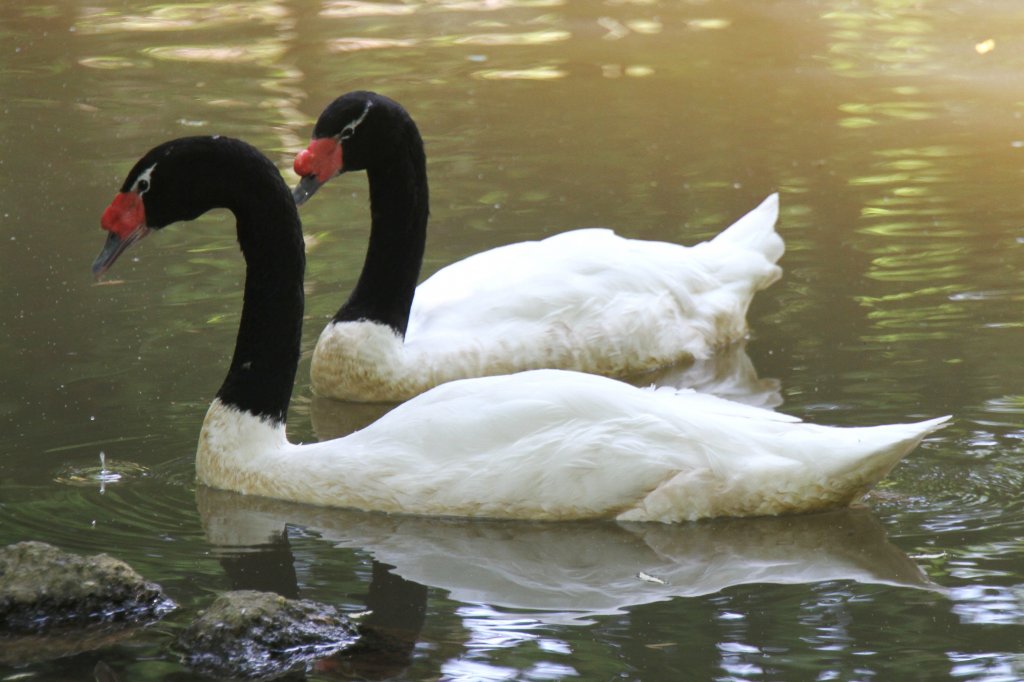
(252, 634)
(43, 587)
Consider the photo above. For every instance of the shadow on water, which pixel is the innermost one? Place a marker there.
(256, 554)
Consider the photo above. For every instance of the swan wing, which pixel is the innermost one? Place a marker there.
(551, 444)
(584, 286)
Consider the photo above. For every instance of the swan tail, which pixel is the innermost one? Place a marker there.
(739, 262)
(905, 437)
(870, 453)
(808, 470)
(756, 231)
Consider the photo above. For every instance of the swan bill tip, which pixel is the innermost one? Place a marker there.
(113, 248)
(305, 188)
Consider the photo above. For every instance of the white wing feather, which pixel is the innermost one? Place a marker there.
(586, 300)
(551, 444)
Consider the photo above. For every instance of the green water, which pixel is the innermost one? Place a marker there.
(892, 130)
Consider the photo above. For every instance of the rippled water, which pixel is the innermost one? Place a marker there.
(892, 130)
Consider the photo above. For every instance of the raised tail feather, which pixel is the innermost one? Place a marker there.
(756, 231)
(871, 452)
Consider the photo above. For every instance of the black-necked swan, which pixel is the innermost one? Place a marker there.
(541, 444)
(586, 300)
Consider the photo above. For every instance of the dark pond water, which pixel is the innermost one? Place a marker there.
(893, 131)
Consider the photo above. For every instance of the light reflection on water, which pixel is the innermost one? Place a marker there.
(892, 130)
(516, 582)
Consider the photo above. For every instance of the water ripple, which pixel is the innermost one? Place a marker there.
(104, 473)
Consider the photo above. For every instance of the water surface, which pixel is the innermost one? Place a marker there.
(892, 131)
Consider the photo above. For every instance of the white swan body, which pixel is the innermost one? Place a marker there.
(558, 445)
(585, 300)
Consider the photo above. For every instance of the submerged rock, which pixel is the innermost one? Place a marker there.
(259, 634)
(43, 587)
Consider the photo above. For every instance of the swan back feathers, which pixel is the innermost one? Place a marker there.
(556, 445)
(585, 300)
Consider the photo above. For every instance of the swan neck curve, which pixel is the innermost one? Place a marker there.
(266, 355)
(400, 208)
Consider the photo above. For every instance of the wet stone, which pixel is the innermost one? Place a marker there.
(248, 634)
(43, 588)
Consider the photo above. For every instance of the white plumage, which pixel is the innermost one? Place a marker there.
(586, 300)
(557, 445)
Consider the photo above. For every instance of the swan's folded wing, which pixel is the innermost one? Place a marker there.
(709, 404)
(551, 444)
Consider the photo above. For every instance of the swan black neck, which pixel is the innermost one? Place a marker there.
(262, 372)
(191, 176)
(399, 207)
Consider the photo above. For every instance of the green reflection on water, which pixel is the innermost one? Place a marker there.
(258, 52)
(907, 111)
(879, 179)
(886, 38)
(501, 39)
(182, 17)
(538, 73)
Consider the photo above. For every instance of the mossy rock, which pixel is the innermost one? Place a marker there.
(43, 587)
(248, 634)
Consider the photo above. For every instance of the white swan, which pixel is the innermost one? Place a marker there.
(543, 444)
(586, 300)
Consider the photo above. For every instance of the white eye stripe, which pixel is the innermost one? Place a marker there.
(143, 182)
(347, 131)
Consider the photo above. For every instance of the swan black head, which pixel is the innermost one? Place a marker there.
(358, 131)
(180, 180)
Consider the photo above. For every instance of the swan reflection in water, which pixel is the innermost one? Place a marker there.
(728, 374)
(572, 572)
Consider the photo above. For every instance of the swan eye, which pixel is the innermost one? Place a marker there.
(350, 130)
(142, 183)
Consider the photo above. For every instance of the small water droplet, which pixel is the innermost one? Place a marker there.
(105, 474)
